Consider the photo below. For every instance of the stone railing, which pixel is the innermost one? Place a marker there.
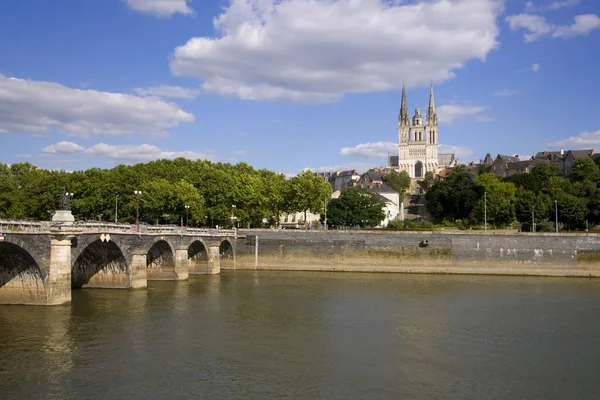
(110, 227)
(23, 226)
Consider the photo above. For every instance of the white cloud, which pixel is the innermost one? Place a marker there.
(63, 148)
(555, 5)
(585, 140)
(37, 107)
(317, 51)
(448, 113)
(161, 8)
(506, 92)
(534, 67)
(129, 154)
(172, 92)
(382, 149)
(459, 151)
(582, 25)
(371, 150)
(536, 26)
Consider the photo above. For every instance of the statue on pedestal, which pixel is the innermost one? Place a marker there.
(65, 201)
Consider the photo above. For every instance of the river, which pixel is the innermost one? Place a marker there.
(304, 335)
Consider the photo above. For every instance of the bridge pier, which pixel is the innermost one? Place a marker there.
(58, 283)
(138, 272)
(181, 263)
(214, 260)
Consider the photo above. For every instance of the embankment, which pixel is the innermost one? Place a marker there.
(421, 252)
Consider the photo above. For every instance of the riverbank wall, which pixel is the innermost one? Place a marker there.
(547, 254)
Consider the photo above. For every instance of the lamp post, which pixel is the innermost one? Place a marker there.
(325, 203)
(187, 209)
(556, 215)
(533, 218)
(233, 207)
(137, 209)
(116, 209)
(485, 211)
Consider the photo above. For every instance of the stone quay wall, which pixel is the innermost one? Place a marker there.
(445, 252)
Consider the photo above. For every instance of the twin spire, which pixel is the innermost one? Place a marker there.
(403, 118)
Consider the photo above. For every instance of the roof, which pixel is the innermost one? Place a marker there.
(508, 159)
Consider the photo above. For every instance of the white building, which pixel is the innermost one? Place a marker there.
(417, 142)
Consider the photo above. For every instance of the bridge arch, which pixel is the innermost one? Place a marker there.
(21, 278)
(198, 257)
(227, 254)
(160, 261)
(101, 264)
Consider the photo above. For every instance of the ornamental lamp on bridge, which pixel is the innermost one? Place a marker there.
(187, 209)
(137, 194)
(233, 217)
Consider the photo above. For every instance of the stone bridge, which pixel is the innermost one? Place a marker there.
(41, 267)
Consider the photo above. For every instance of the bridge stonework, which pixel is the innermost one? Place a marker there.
(42, 268)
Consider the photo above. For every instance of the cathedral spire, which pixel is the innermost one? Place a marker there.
(403, 116)
(431, 113)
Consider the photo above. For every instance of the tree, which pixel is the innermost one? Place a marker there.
(356, 207)
(499, 197)
(585, 169)
(397, 181)
(307, 192)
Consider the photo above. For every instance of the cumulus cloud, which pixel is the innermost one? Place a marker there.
(37, 107)
(63, 148)
(317, 51)
(448, 113)
(534, 67)
(459, 151)
(585, 140)
(506, 92)
(555, 5)
(370, 150)
(382, 149)
(537, 27)
(172, 92)
(161, 8)
(129, 154)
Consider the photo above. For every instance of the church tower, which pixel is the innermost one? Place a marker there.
(418, 142)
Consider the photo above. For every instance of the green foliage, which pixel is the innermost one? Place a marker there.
(410, 225)
(355, 207)
(453, 198)
(397, 181)
(306, 192)
(499, 199)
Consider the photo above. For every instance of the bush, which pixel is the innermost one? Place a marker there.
(410, 225)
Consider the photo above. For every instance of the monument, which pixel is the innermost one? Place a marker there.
(64, 216)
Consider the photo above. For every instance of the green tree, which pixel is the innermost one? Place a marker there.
(499, 197)
(397, 181)
(356, 207)
(307, 192)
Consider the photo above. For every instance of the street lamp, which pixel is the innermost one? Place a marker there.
(533, 218)
(137, 209)
(187, 209)
(485, 211)
(325, 204)
(233, 207)
(556, 215)
(116, 209)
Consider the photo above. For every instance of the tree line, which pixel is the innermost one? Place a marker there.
(467, 196)
(210, 190)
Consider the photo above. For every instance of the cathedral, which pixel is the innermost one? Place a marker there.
(417, 141)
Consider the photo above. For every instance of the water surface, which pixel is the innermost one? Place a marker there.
(288, 335)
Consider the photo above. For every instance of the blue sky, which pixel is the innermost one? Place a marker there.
(292, 84)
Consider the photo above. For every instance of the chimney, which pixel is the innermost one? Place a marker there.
(562, 152)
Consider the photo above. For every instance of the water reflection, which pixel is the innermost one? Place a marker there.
(276, 335)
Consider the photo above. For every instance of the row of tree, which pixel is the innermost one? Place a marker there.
(525, 198)
(210, 190)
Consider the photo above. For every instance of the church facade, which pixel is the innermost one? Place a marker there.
(417, 140)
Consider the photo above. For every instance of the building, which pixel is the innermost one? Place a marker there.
(564, 160)
(417, 141)
(340, 180)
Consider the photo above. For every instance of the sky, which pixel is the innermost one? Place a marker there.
(292, 84)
